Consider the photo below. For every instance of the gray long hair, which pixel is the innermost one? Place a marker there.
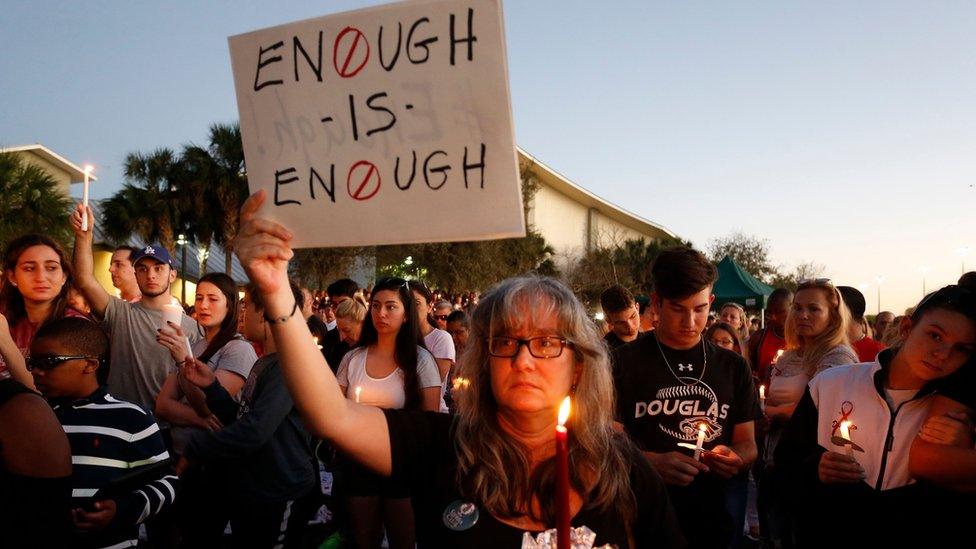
(494, 469)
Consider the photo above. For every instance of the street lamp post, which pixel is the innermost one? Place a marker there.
(181, 241)
(880, 279)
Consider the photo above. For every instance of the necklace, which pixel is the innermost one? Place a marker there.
(676, 376)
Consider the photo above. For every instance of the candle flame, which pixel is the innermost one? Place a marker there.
(564, 411)
(762, 391)
(460, 383)
(845, 430)
(779, 353)
(702, 427)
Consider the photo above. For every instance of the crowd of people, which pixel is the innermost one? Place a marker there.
(421, 418)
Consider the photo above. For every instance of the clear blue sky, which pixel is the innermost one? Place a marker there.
(844, 132)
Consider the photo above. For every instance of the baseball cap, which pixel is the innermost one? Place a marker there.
(153, 251)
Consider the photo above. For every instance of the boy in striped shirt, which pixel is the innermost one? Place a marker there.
(108, 437)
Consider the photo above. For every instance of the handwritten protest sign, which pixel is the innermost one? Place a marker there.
(386, 125)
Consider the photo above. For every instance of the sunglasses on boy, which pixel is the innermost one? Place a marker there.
(49, 362)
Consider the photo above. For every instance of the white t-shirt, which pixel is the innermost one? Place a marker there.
(441, 345)
(388, 391)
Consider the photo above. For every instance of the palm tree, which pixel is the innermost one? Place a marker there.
(228, 183)
(198, 193)
(149, 204)
(31, 202)
(197, 199)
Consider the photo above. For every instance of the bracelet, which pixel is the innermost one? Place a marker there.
(281, 319)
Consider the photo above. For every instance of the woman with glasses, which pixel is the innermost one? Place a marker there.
(442, 310)
(436, 340)
(485, 477)
(388, 369)
(725, 336)
(34, 291)
(816, 339)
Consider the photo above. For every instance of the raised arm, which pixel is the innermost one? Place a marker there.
(360, 431)
(84, 265)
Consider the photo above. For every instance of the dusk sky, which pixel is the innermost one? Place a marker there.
(842, 132)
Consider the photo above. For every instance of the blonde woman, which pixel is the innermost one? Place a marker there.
(816, 339)
(485, 477)
(734, 315)
(349, 315)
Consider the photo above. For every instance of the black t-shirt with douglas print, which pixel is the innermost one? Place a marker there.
(664, 394)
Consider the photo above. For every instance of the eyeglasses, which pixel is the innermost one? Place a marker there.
(539, 347)
(50, 362)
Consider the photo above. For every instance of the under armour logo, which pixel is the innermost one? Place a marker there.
(683, 367)
(149, 250)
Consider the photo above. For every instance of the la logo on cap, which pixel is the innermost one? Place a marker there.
(149, 250)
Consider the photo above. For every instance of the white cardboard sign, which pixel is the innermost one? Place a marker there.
(386, 125)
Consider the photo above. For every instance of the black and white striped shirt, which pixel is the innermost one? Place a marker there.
(109, 438)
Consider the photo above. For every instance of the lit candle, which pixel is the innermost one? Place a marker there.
(359, 390)
(701, 441)
(459, 383)
(317, 342)
(762, 397)
(845, 433)
(84, 198)
(562, 477)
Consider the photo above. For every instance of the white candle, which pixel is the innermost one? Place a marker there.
(84, 198)
(701, 441)
(172, 312)
(762, 397)
(845, 433)
(358, 391)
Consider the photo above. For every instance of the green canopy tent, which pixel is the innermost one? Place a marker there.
(735, 285)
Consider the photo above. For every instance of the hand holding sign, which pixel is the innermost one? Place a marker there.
(354, 122)
(263, 247)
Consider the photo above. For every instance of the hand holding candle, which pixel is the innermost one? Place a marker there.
(845, 433)
(84, 198)
(562, 477)
(173, 313)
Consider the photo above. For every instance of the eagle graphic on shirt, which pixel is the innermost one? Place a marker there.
(680, 409)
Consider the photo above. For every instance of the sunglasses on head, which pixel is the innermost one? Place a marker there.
(50, 362)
